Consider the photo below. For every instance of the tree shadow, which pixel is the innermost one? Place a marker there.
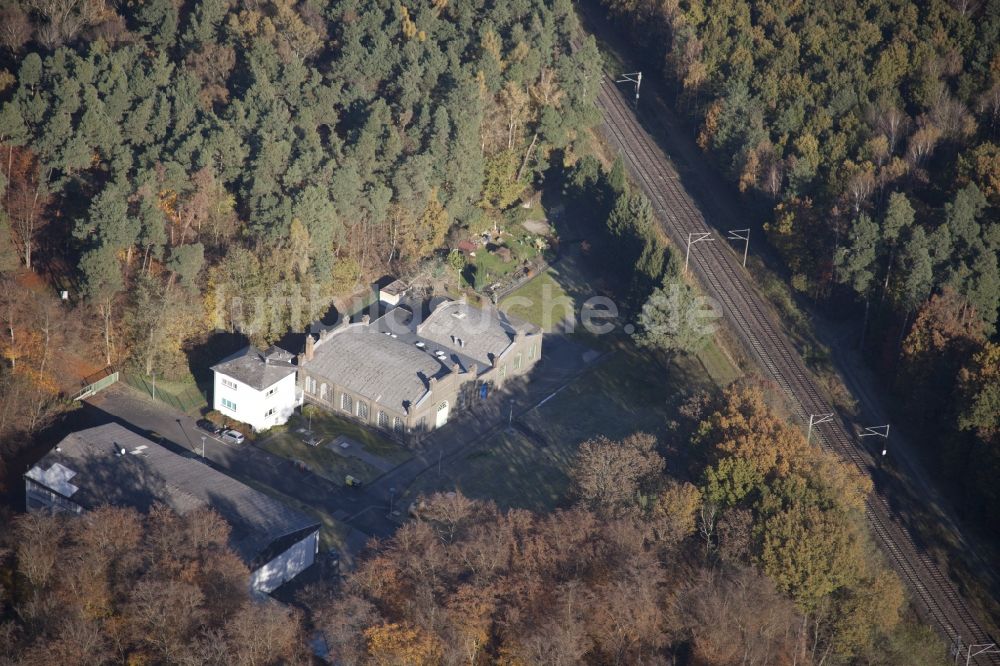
(211, 349)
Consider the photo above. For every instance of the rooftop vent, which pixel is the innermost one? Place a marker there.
(458, 315)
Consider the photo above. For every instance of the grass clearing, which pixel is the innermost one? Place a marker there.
(555, 298)
(288, 443)
(718, 366)
(183, 394)
(527, 466)
(541, 301)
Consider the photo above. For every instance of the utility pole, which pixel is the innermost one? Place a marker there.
(980, 648)
(743, 235)
(693, 238)
(153, 375)
(634, 77)
(879, 431)
(202, 446)
(816, 419)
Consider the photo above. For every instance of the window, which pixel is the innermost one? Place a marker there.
(363, 410)
(269, 412)
(517, 362)
(397, 424)
(422, 423)
(322, 391)
(229, 384)
(503, 373)
(383, 420)
(531, 352)
(346, 403)
(271, 391)
(310, 385)
(229, 404)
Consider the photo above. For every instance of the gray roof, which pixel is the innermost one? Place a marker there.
(394, 288)
(87, 467)
(256, 368)
(388, 370)
(481, 334)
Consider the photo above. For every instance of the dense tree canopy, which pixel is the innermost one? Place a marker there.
(325, 132)
(185, 166)
(115, 586)
(645, 568)
(872, 130)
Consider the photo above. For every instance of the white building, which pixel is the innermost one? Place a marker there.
(257, 388)
(112, 465)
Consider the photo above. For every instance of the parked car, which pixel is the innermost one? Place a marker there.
(208, 426)
(232, 437)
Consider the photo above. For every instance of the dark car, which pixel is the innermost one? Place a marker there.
(208, 426)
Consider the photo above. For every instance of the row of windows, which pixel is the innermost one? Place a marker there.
(361, 410)
(229, 404)
(229, 384)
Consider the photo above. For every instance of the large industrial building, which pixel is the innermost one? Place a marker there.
(112, 465)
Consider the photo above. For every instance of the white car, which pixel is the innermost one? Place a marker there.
(232, 437)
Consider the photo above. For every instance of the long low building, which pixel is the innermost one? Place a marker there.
(407, 376)
(112, 465)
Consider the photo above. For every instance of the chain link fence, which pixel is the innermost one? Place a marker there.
(188, 399)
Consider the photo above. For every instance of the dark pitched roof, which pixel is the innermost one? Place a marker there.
(256, 368)
(88, 468)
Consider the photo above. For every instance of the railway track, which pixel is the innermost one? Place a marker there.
(725, 280)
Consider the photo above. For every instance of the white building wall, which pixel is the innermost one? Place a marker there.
(286, 566)
(251, 404)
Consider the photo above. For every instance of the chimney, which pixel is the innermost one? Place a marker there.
(433, 381)
(365, 318)
(310, 348)
(455, 367)
(474, 369)
(494, 360)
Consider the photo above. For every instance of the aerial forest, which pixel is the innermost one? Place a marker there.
(870, 133)
(750, 550)
(161, 158)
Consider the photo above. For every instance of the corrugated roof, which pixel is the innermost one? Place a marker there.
(374, 364)
(255, 368)
(148, 473)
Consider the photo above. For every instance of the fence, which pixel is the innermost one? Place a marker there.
(96, 382)
(516, 280)
(188, 399)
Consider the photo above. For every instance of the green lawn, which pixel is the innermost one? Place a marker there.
(183, 395)
(542, 301)
(527, 467)
(287, 442)
(718, 366)
(557, 294)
